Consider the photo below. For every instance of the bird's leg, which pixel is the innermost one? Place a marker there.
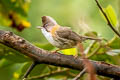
(30, 69)
(81, 49)
(76, 55)
(56, 50)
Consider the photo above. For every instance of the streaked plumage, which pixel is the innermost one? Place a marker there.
(58, 36)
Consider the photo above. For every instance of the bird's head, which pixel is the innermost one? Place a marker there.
(48, 22)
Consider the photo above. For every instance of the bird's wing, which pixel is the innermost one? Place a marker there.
(67, 33)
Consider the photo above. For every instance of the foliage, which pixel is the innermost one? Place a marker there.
(110, 12)
(20, 14)
(13, 13)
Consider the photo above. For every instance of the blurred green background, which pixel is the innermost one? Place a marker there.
(66, 13)
(81, 15)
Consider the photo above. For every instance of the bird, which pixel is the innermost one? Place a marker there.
(59, 36)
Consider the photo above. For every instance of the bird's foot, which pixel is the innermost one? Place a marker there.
(76, 55)
(56, 51)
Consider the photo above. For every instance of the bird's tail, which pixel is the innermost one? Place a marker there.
(90, 38)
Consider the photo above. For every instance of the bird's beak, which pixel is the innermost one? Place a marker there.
(39, 27)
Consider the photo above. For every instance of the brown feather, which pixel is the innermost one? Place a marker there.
(67, 33)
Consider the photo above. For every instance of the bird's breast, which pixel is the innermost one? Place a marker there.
(49, 37)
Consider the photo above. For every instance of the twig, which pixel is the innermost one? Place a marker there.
(47, 74)
(42, 56)
(109, 23)
(89, 47)
(80, 74)
(94, 52)
(29, 70)
(71, 74)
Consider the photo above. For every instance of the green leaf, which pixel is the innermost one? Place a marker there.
(110, 12)
(114, 43)
(103, 57)
(91, 34)
(71, 51)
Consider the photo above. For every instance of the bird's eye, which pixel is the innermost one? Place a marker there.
(45, 25)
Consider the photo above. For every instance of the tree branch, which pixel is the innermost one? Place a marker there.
(108, 21)
(9, 39)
